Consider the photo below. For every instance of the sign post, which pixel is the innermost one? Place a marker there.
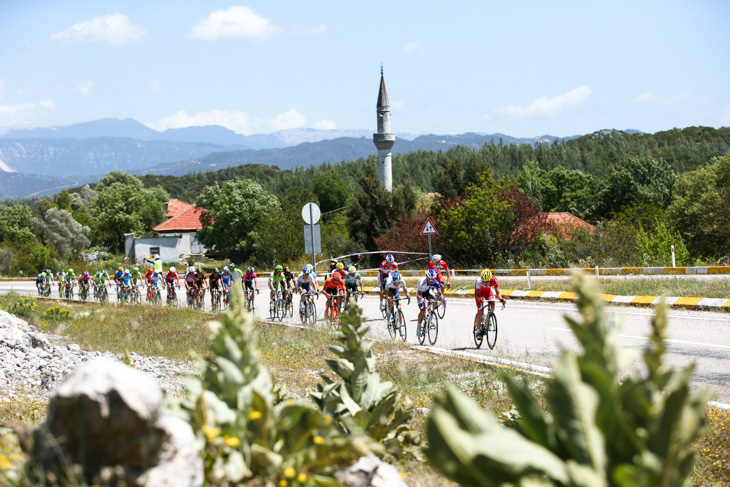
(311, 214)
(429, 229)
(674, 261)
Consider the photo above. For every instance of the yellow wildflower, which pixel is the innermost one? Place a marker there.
(232, 441)
(289, 472)
(301, 478)
(210, 433)
(283, 483)
(254, 415)
(318, 440)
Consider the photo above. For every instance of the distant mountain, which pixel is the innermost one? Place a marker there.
(19, 185)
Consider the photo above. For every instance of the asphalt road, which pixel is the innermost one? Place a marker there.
(531, 335)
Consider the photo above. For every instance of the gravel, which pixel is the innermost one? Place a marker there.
(34, 364)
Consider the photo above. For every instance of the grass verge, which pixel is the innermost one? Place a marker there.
(296, 359)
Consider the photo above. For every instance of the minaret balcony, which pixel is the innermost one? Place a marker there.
(384, 141)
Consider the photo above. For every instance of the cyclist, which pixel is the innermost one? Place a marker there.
(250, 281)
(393, 285)
(485, 288)
(147, 276)
(118, 275)
(71, 281)
(332, 287)
(127, 280)
(199, 281)
(39, 280)
(155, 284)
(236, 274)
(189, 283)
(214, 280)
(305, 281)
(96, 280)
(172, 279)
(84, 283)
(424, 292)
(136, 277)
(439, 265)
(352, 279)
(340, 268)
(277, 280)
(60, 278)
(333, 264)
(386, 267)
(355, 261)
(226, 279)
(104, 278)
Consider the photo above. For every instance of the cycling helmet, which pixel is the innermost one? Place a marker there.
(105, 272)
(286, 269)
(396, 277)
(250, 269)
(336, 276)
(126, 271)
(232, 266)
(86, 273)
(436, 258)
(430, 274)
(389, 258)
(340, 265)
(352, 269)
(305, 269)
(150, 269)
(70, 271)
(279, 268)
(358, 256)
(310, 267)
(172, 269)
(136, 269)
(191, 269)
(486, 274)
(225, 269)
(121, 268)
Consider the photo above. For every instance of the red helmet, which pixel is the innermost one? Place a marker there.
(336, 276)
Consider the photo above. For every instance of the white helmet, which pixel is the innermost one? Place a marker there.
(191, 269)
(172, 269)
(436, 258)
(225, 269)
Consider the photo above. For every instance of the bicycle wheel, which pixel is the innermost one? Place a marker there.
(491, 331)
(391, 323)
(433, 328)
(290, 305)
(312, 313)
(384, 309)
(304, 312)
(441, 310)
(478, 337)
(280, 309)
(422, 335)
(402, 330)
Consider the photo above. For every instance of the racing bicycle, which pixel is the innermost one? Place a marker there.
(488, 327)
(430, 323)
(395, 321)
(307, 309)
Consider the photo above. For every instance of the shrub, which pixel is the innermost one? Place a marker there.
(56, 313)
(246, 427)
(24, 307)
(598, 431)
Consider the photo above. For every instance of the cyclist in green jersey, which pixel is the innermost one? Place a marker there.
(352, 279)
(136, 276)
(277, 279)
(236, 274)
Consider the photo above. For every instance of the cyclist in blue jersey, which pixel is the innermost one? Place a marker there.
(427, 288)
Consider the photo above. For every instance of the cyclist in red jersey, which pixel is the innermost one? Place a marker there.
(386, 267)
(439, 265)
(486, 288)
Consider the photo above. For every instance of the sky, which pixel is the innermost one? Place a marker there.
(522, 68)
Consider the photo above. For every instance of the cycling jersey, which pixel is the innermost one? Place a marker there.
(189, 278)
(118, 275)
(333, 287)
(385, 269)
(171, 276)
(438, 267)
(486, 289)
(352, 279)
(423, 285)
(127, 279)
(147, 276)
(276, 280)
(394, 288)
(226, 278)
(156, 279)
(214, 278)
(136, 276)
(199, 279)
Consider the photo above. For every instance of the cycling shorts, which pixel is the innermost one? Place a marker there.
(351, 287)
(425, 296)
(394, 291)
(306, 287)
(248, 284)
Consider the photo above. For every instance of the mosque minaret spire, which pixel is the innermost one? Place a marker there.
(384, 139)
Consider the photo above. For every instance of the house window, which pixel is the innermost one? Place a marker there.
(154, 251)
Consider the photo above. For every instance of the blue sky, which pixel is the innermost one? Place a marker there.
(523, 68)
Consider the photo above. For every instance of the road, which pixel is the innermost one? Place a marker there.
(533, 334)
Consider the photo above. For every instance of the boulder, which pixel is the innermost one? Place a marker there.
(370, 471)
(106, 415)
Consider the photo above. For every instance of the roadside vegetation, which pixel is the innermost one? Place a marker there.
(296, 359)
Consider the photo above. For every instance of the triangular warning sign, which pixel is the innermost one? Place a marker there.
(429, 228)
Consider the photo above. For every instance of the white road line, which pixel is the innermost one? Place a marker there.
(667, 340)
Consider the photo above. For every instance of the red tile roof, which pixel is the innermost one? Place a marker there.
(187, 220)
(175, 207)
(565, 222)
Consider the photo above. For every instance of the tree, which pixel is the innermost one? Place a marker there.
(642, 180)
(124, 205)
(700, 210)
(450, 178)
(331, 190)
(232, 213)
(654, 246)
(61, 231)
(16, 225)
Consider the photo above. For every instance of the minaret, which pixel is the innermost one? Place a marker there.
(384, 139)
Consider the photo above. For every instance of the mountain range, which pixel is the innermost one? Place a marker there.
(39, 161)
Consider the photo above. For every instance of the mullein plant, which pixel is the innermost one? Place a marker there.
(360, 401)
(248, 433)
(597, 431)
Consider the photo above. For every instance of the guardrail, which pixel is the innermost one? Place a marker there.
(601, 271)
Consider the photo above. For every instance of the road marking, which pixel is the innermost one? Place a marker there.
(667, 340)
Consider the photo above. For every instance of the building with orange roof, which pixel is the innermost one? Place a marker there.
(177, 237)
(562, 224)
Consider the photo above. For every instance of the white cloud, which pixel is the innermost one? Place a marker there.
(325, 125)
(414, 48)
(235, 120)
(544, 107)
(236, 22)
(115, 30)
(288, 120)
(25, 113)
(646, 96)
(84, 88)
